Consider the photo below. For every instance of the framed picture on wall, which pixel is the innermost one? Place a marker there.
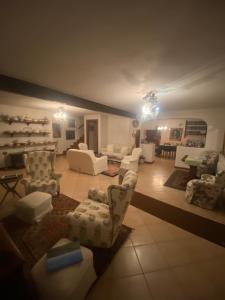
(56, 130)
(176, 134)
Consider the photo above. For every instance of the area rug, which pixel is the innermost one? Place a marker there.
(34, 240)
(203, 227)
(178, 180)
(113, 169)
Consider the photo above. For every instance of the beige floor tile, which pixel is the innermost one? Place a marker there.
(164, 286)
(141, 236)
(125, 263)
(127, 243)
(133, 219)
(132, 288)
(149, 219)
(214, 271)
(160, 232)
(179, 233)
(174, 253)
(150, 258)
(200, 249)
(195, 283)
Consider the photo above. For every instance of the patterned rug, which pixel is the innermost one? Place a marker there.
(33, 240)
(113, 169)
(178, 180)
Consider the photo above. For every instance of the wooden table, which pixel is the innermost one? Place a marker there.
(9, 183)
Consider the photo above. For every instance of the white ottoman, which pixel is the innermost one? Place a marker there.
(34, 206)
(69, 283)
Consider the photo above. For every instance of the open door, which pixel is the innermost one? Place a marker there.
(92, 134)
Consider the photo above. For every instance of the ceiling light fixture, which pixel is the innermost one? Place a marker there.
(60, 114)
(150, 108)
(162, 128)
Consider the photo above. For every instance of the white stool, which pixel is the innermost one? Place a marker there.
(34, 206)
(69, 283)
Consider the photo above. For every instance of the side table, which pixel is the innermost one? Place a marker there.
(9, 183)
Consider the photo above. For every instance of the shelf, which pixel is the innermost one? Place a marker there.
(25, 145)
(197, 128)
(18, 133)
(24, 120)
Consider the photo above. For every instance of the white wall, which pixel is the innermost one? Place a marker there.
(112, 129)
(119, 130)
(215, 119)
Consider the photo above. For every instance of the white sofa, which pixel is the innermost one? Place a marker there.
(116, 151)
(130, 162)
(86, 162)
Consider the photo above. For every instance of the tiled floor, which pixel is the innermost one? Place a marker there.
(159, 261)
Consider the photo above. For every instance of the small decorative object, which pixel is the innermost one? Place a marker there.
(135, 123)
(176, 134)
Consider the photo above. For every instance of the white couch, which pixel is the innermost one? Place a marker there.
(117, 151)
(130, 162)
(86, 162)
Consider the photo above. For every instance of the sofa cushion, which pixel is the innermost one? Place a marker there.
(110, 148)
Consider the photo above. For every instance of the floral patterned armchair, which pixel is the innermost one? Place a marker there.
(40, 170)
(210, 159)
(206, 192)
(97, 220)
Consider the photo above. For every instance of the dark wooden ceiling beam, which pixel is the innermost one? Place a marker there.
(26, 88)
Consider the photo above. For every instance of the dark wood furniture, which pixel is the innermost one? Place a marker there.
(9, 183)
(168, 151)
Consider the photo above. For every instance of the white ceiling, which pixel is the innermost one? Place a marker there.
(113, 52)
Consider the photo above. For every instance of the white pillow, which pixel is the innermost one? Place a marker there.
(221, 163)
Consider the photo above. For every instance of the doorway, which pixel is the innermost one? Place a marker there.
(92, 134)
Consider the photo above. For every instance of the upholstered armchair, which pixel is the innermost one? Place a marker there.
(130, 162)
(83, 146)
(97, 220)
(206, 192)
(40, 172)
(210, 159)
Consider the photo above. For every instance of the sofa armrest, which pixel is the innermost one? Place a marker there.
(98, 196)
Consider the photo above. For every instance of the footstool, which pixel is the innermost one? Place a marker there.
(69, 283)
(34, 206)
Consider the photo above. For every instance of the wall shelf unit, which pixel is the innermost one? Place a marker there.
(25, 133)
(26, 145)
(23, 119)
(195, 127)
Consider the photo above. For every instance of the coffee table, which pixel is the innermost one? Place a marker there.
(9, 183)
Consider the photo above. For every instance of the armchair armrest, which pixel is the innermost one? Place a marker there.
(56, 175)
(208, 178)
(26, 180)
(98, 196)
